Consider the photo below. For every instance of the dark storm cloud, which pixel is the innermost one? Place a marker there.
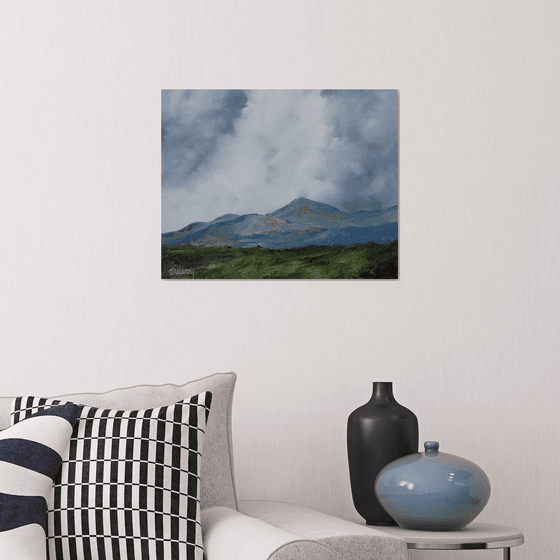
(254, 151)
(366, 122)
(192, 123)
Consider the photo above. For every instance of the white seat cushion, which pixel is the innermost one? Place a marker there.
(350, 540)
(231, 535)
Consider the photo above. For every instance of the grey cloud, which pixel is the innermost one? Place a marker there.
(193, 121)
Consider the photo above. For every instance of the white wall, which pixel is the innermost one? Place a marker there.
(468, 334)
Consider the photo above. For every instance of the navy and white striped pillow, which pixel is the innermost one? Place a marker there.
(30, 458)
(129, 485)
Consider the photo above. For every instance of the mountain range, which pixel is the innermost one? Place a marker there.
(301, 222)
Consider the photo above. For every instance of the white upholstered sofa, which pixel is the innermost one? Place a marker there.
(230, 528)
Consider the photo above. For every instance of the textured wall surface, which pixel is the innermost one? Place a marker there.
(468, 334)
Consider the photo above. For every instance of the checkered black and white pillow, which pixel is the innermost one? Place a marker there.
(129, 486)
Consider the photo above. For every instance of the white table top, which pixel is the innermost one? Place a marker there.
(474, 535)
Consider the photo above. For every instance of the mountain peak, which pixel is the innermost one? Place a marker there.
(301, 207)
(301, 222)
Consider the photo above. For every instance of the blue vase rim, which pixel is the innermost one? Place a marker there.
(431, 446)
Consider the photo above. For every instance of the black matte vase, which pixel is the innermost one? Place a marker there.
(379, 432)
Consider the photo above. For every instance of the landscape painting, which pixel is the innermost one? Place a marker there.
(279, 184)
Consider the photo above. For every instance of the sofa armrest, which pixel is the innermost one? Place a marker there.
(349, 540)
(230, 535)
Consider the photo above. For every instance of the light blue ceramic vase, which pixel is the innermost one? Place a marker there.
(432, 491)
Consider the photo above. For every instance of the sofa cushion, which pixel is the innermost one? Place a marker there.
(128, 486)
(217, 477)
(351, 541)
(231, 535)
(30, 457)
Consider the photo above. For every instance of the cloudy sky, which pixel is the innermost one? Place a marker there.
(254, 151)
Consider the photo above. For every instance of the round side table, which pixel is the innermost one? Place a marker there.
(474, 536)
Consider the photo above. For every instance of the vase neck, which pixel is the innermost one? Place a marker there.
(382, 391)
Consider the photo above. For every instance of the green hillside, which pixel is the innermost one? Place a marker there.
(369, 260)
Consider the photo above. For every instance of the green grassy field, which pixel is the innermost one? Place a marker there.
(369, 260)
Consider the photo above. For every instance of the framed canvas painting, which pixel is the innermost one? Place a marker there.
(279, 184)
